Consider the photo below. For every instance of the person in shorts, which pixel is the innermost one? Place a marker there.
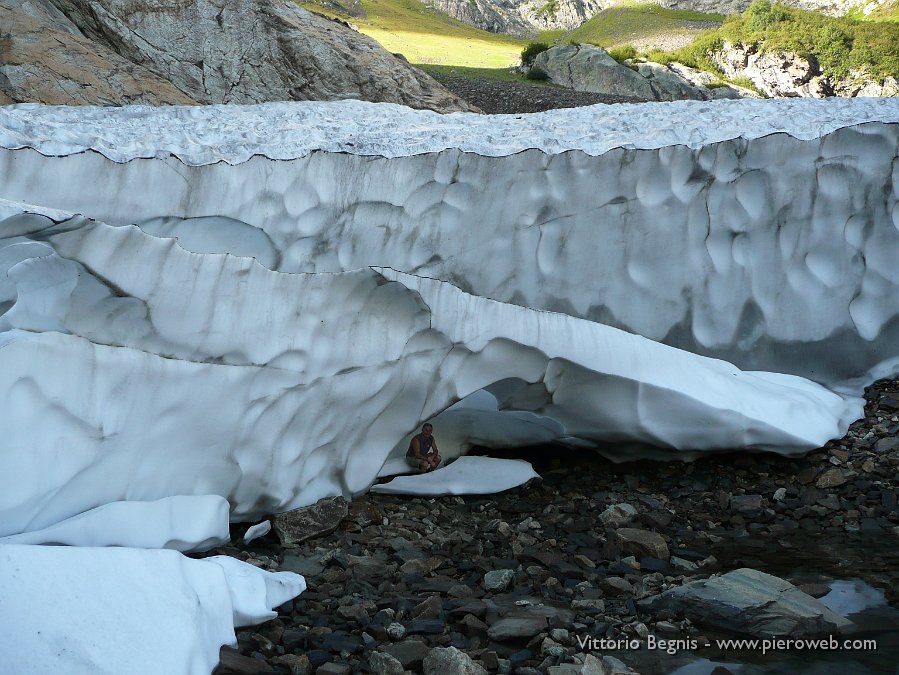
(423, 453)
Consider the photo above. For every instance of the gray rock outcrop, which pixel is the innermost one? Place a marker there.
(202, 51)
(751, 602)
(589, 68)
(220, 51)
(829, 7)
(520, 17)
(786, 74)
(42, 64)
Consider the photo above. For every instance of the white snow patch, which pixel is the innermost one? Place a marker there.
(852, 596)
(257, 530)
(181, 523)
(92, 611)
(468, 475)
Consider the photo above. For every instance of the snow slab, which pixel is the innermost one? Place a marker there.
(181, 523)
(234, 133)
(257, 530)
(221, 377)
(108, 611)
(470, 475)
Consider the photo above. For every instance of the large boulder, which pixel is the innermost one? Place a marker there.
(588, 68)
(42, 62)
(221, 51)
(751, 602)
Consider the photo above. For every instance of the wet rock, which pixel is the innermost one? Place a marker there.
(497, 581)
(296, 664)
(410, 653)
(748, 505)
(382, 663)
(642, 543)
(396, 631)
(425, 627)
(513, 628)
(323, 517)
(885, 445)
(450, 661)
(232, 663)
(333, 668)
(422, 566)
(831, 478)
(618, 515)
(429, 608)
(752, 602)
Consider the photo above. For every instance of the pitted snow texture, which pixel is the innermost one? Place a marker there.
(162, 372)
(776, 253)
(233, 134)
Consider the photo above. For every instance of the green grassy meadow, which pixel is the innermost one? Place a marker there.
(438, 42)
(626, 23)
(426, 36)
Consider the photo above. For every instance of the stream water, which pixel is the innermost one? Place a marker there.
(862, 572)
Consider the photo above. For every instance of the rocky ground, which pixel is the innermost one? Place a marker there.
(497, 97)
(515, 582)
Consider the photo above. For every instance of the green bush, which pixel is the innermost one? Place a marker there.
(838, 44)
(529, 53)
(623, 53)
(537, 74)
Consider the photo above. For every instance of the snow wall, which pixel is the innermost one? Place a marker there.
(262, 302)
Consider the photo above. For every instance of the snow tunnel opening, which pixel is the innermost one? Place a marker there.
(510, 418)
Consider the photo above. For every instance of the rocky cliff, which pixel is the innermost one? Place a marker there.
(829, 7)
(520, 17)
(40, 64)
(786, 74)
(207, 51)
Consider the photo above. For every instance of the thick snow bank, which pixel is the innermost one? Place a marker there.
(121, 610)
(233, 134)
(135, 370)
(761, 232)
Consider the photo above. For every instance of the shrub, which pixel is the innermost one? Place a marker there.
(538, 74)
(623, 53)
(529, 53)
(761, 14)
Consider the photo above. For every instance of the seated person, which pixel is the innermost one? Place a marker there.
(423, 453)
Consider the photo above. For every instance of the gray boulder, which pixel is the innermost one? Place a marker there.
(751, 602)
(253, 51)
(294, 527)
(618, 515)
(451, 661)
(642, 543)
(591, 69)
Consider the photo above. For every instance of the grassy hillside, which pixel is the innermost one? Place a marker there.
(839, 44)
(889, 11)
(638, 24)
(424, 35)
